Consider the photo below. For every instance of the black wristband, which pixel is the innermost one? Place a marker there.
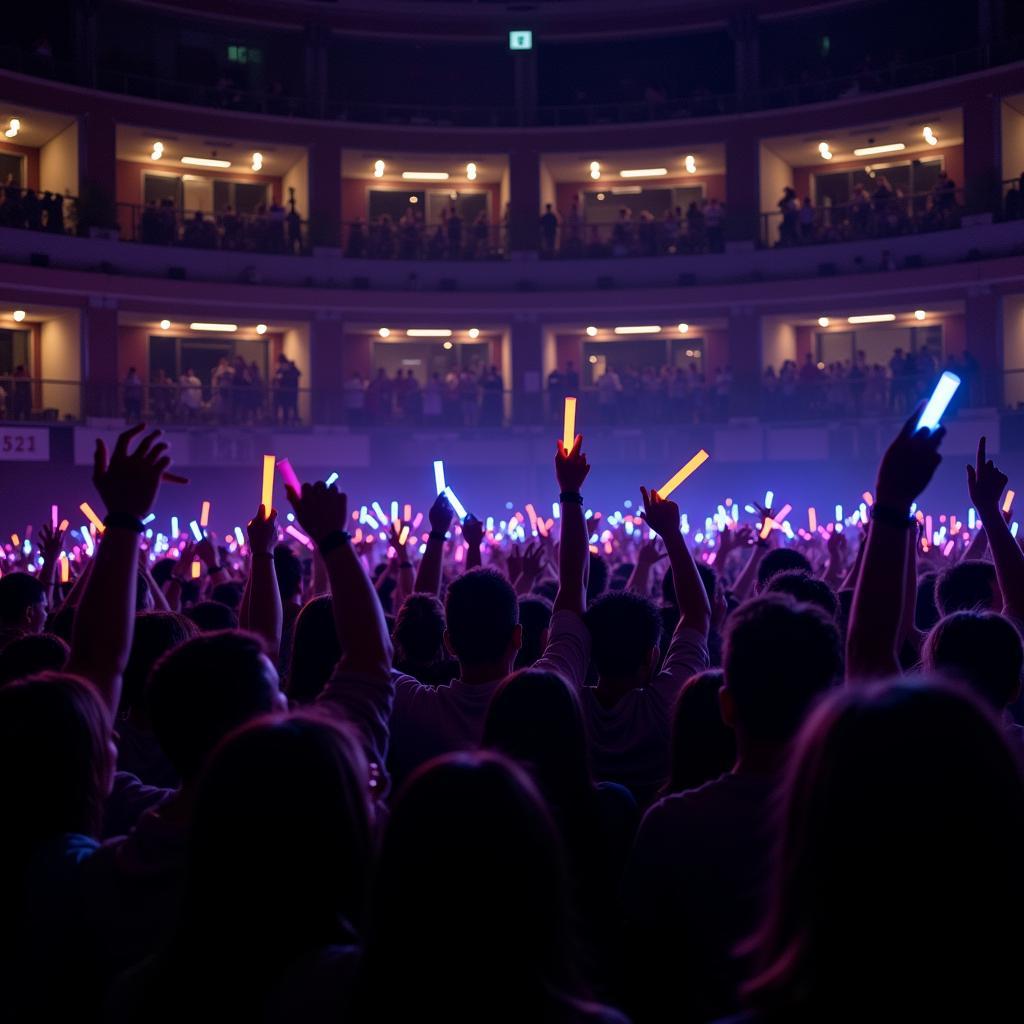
(574, 497)
(124, 521)
(437, 535)
(891, 516)
(335, 539)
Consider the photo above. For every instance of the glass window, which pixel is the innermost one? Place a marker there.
(14, 350)
(11, 163)
(468, 205)
(603, 206)
(158, 187)
(241, 196)
(393, 202)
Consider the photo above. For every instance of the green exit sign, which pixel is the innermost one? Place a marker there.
(520, 39)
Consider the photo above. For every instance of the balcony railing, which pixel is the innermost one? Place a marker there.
(37, 210)
(870, 216)
(408, 239)
(274, 232)
(676, 234)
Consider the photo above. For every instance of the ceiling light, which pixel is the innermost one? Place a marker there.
(261, 328)
(257, 161)
(626, 190)
(892, 147)
(165, 325)
(592, 360)
(872, 318)
(690, 163)
(474, 333)
(823, 321)
(929, 136)
(595, 169)
(644, 172)
(198, 326)
(13, 127)
(413, 200)
(683, 328)
(378, 169)
(203, 161)
(158, 151)
(637, 330)
(823, 151)
(591, 331)
(384, 332)
(447, 345)
(425, 175)
(19, 315)
(471, 172)
(428, 332)
(919, 314)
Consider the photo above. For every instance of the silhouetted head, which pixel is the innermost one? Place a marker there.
(23, 603)
(155, 634)
(315, 651)
(212, 616)
(535, 618)
(30, 654)
(805, 588)
(703, 746)
(780, 560)
(482, 613)
(967, 587)
(419, 630)
(625, 633)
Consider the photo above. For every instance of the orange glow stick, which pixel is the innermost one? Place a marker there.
(204, 515)
(812, 520)
(868, 500)
(269, 463)
(569, 423)
(404, 535)
(64, 524)
(65, 568)
(1008, 500)
(692, 466)
(196, 569)
(89, 514)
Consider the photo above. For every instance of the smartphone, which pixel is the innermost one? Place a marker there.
(938, 403)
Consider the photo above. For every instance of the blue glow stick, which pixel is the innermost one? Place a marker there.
(331, 479)
(439, 476)
(769, 497)
(149, 519)
(556, 512)
(938, 403)
(196, 532)
(460, 509)
(239, 536)
(839, 513)
(380, 512)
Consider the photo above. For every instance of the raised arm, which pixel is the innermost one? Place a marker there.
(837, 550)
(406, 577)
(473, 534)
(534, 560)
(104, 620)
(358, 616)
(906, 468)
(51, 543)
(264, 614)
(986, 483)
(647, 557)
(571, 469)
(428, 578)
(744, 585)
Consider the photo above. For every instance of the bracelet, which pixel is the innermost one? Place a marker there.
(437, 535)
(335, 539)
(572, 497)
(124, 521)
(891, 517)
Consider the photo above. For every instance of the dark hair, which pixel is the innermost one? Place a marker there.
(162, 570)
(155, 634)
(597, 578)
(482, 612)
(779, 657)
(229, 593)
(981, 649)
(202, 689)
(548, 589)
(620, 575)
(624, 627)
(289, 571)
(32, 653)
(968, 586)
(703, 746)
(926, 612)
(315, 650)
(901, 837)
(780, 560)
(18, 592)
(803, 587)
(419, 630)
(535, 618)
(212, 616)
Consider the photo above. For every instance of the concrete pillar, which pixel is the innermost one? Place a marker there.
(524, 201)
(982, 154)
(99, 357)
(326, 366)
(742, 186)
(983, 330)
(744, 356)
(325, 194)
(527, 342)
(97, 170)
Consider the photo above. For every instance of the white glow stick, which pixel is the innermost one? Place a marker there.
(174, 528)
(196, 532)
(938, 403)
(460, 509)
(149, 519)
(239, 536)
(439, 483)
(331, 479)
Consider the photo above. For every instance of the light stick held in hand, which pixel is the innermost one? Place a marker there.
(569, 423)
(692, 466)
(267, 494)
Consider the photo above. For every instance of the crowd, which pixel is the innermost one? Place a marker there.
(270, 229)
(27, 208)
(395, 767)
(411, 238)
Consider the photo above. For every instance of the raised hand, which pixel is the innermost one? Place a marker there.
(51, 542)
(441, 515)
(183, 567)
(649, 553)
(262, 531)
(514, 562)
(908, 465)
(207, 553)
(662, 514)
(320, 510)
(473, 531)
(534, 559)
(395, 532)
(571, 467)
(985, 483)
(837, 546)
(128, 482)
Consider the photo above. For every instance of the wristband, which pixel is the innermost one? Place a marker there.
(891, 517)
(124, 521)
(573, 497)
(335, 539)
(437, 535)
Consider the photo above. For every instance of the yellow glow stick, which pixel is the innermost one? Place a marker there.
(569, 424)
(404, 535)
(89, 514)
(692, 466)
(196, 569)
(204, 515)
(65, 568)
(64, 524)
(1008, 500)
(868, 500)
(269, 463)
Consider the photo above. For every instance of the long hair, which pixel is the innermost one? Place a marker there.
(315, 651)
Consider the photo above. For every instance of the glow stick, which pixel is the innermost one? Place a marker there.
(928, 529)
(863, 510)
(750, 509)
(532, 513)
(239, 536)
(970, 518)
(460, 509)
(947, 549)
(694, 464)
(196, 568)
(439, 483)
(298, 535)
(196, 532)
(204, 514)
(569, 424)
(868, 500)
(380, 513)
(65, 567)
(64, 524)
(782, 513)
(419, 519)
(839, 513)
(769, 497)
(53, 517)
(812, 520)
(766, 527)
(938, 403)
(331, 479)
(404, 535)
(370, 521)
(489, 525)
(288, 475)
(89, 514)
(174, 527)
(1008, 500)
(267, 494)
(1013, 530)
(87, 540)
(556, 512)
(394, 510)
(407, 512)
(149, 519)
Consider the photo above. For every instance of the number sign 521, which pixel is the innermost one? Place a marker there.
(24, 444)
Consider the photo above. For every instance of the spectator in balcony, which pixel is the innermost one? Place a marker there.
(150, 225)
(694, 228)
(556, 395)
(491, 404)
(572, 232)
(355, 248)
(286, 390)
(408, 235)
(623, 234)
(438, 242)
(161, 396)
(231, 225)
(31, 210)
(609, 390)
(469, 398)
(55, 213)
(714, 223)
(723, 392)
(548, 230)
(378, 397)
(355, 399)
(860, 210)
(221, 381)
(595, 247)
(479, 240)
(168, 234)
(191, 395)
(454, 228)
(410, 397)
(133, 393)
(572, 379)
(806, 217)
(293, 223)
(276, 227)
(790, 217)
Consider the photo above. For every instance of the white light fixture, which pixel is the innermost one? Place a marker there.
(158, 151)
(204, 161)
(447, 346)
(871, 318)
(378, 169)
(892, 147)
(919, 314)
(690, 163)
(823, 321)
(824, 151)
(474, 333)
(638, 330)
(683, 328)
(592, 360)
(19, 315)
(428, 332)
(644, 172)
(626, 190)
(425, 175)
(384, 332)
(591, 331)
(471, 172)
(929, 136)
(595, 170)
(199, 326)
(413, 200)
(165, 325)
(257, 161)
(261, 328)
(13, 127)
(453, 196)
